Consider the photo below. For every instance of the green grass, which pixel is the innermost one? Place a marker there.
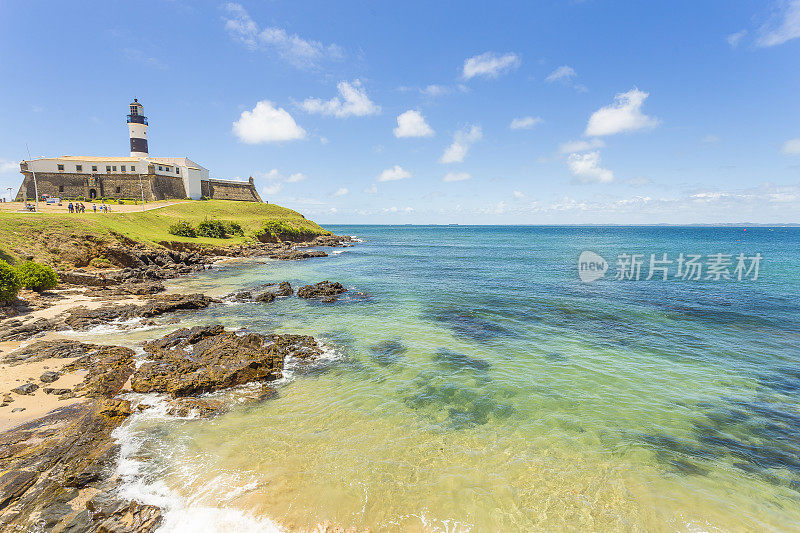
(25, 234)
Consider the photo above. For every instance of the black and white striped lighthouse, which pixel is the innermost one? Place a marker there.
(137, 126)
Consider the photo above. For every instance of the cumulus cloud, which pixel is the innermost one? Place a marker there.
(436, 90)
(412, 124)
(456, 176)
(490, 65)
(791, 147)
(352, 101)
(519, 195)
(372, 189)
(293, 49)
(462, 140)
(271, 189)
(525, 123)
(395, 209)
(393, 174)
(265, 123)
(784, 27)
(586, 168)
(580, 146)
(296, 177)
(276, 180)
(624, 115)
(341, 191)
(734, 38)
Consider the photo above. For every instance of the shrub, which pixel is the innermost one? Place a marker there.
(233, 228)
(211, 228)
(101, 262)
(276, 230)
(182, 229)
(10, 283)
(37, 277)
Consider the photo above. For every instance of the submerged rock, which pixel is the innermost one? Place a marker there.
(284, 289)
(265, 297)
(324, 289)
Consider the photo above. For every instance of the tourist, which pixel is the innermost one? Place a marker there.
(69, 207)
(94, 208)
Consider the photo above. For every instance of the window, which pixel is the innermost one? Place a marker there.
(108, 168)
(160, 167)
(133, 168)
(60, 188)
(114, 168)
(60, 167)
(119, 189)
(78, 168)
(94, 168)
(122, 168)
(177, 170)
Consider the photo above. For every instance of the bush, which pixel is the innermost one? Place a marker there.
(233, 228)
(182, 229)
(10, 283)
(211, 228)
(276, 230)
(37, 277)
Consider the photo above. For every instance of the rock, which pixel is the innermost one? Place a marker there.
(284, 289)
(294, 254)
(49, 376)
(83, 318)
(242, 296)
(16, 329)
(204, 408)
(108, 370)
(213, 362)
(324, 289)
(17, 409)
(111, 515)
(56, 392)
(115, 407)
(265, 297)
(26, 389)
(41, 350)
(183, 336)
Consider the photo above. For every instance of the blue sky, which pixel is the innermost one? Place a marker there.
(429, 112)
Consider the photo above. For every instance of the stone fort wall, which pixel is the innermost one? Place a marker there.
(156, 187)
(243, 191)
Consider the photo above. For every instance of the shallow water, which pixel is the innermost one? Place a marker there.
(481, 386)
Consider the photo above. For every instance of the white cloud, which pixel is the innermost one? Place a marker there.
(393, 174)
(586, 168)
(372, 189)
(352, 101)
(791, 147)
(639, 181)
(299, 52)
(271, 189)
(625, 114)
(341, 191)
(580, 146)
(436, 90)
(564, 74)
(137, 55)
(8, 167)
(489, 65)
(296, 177)
(519, 195)
(412, 124)
(784, 27)
(462, 140)
(456, 176)
(710, 139)
(525, 123)
(265, 124)
(734, 38)
(395, 209)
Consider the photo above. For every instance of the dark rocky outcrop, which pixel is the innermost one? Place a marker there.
(82, 317)
(294, 254)
(17, 329)
(56, 349)
(265, 297)
(284, 289)
(325, 290)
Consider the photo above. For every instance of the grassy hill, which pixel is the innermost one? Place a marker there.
(44, 236)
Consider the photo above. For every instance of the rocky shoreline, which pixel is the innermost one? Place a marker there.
(58, 464)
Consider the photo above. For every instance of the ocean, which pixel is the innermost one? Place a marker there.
(473, 382)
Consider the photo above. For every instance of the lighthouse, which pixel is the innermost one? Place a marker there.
(137, 126)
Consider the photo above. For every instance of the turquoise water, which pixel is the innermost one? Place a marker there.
(480, 385)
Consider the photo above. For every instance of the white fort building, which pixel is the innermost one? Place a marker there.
(137, 176)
